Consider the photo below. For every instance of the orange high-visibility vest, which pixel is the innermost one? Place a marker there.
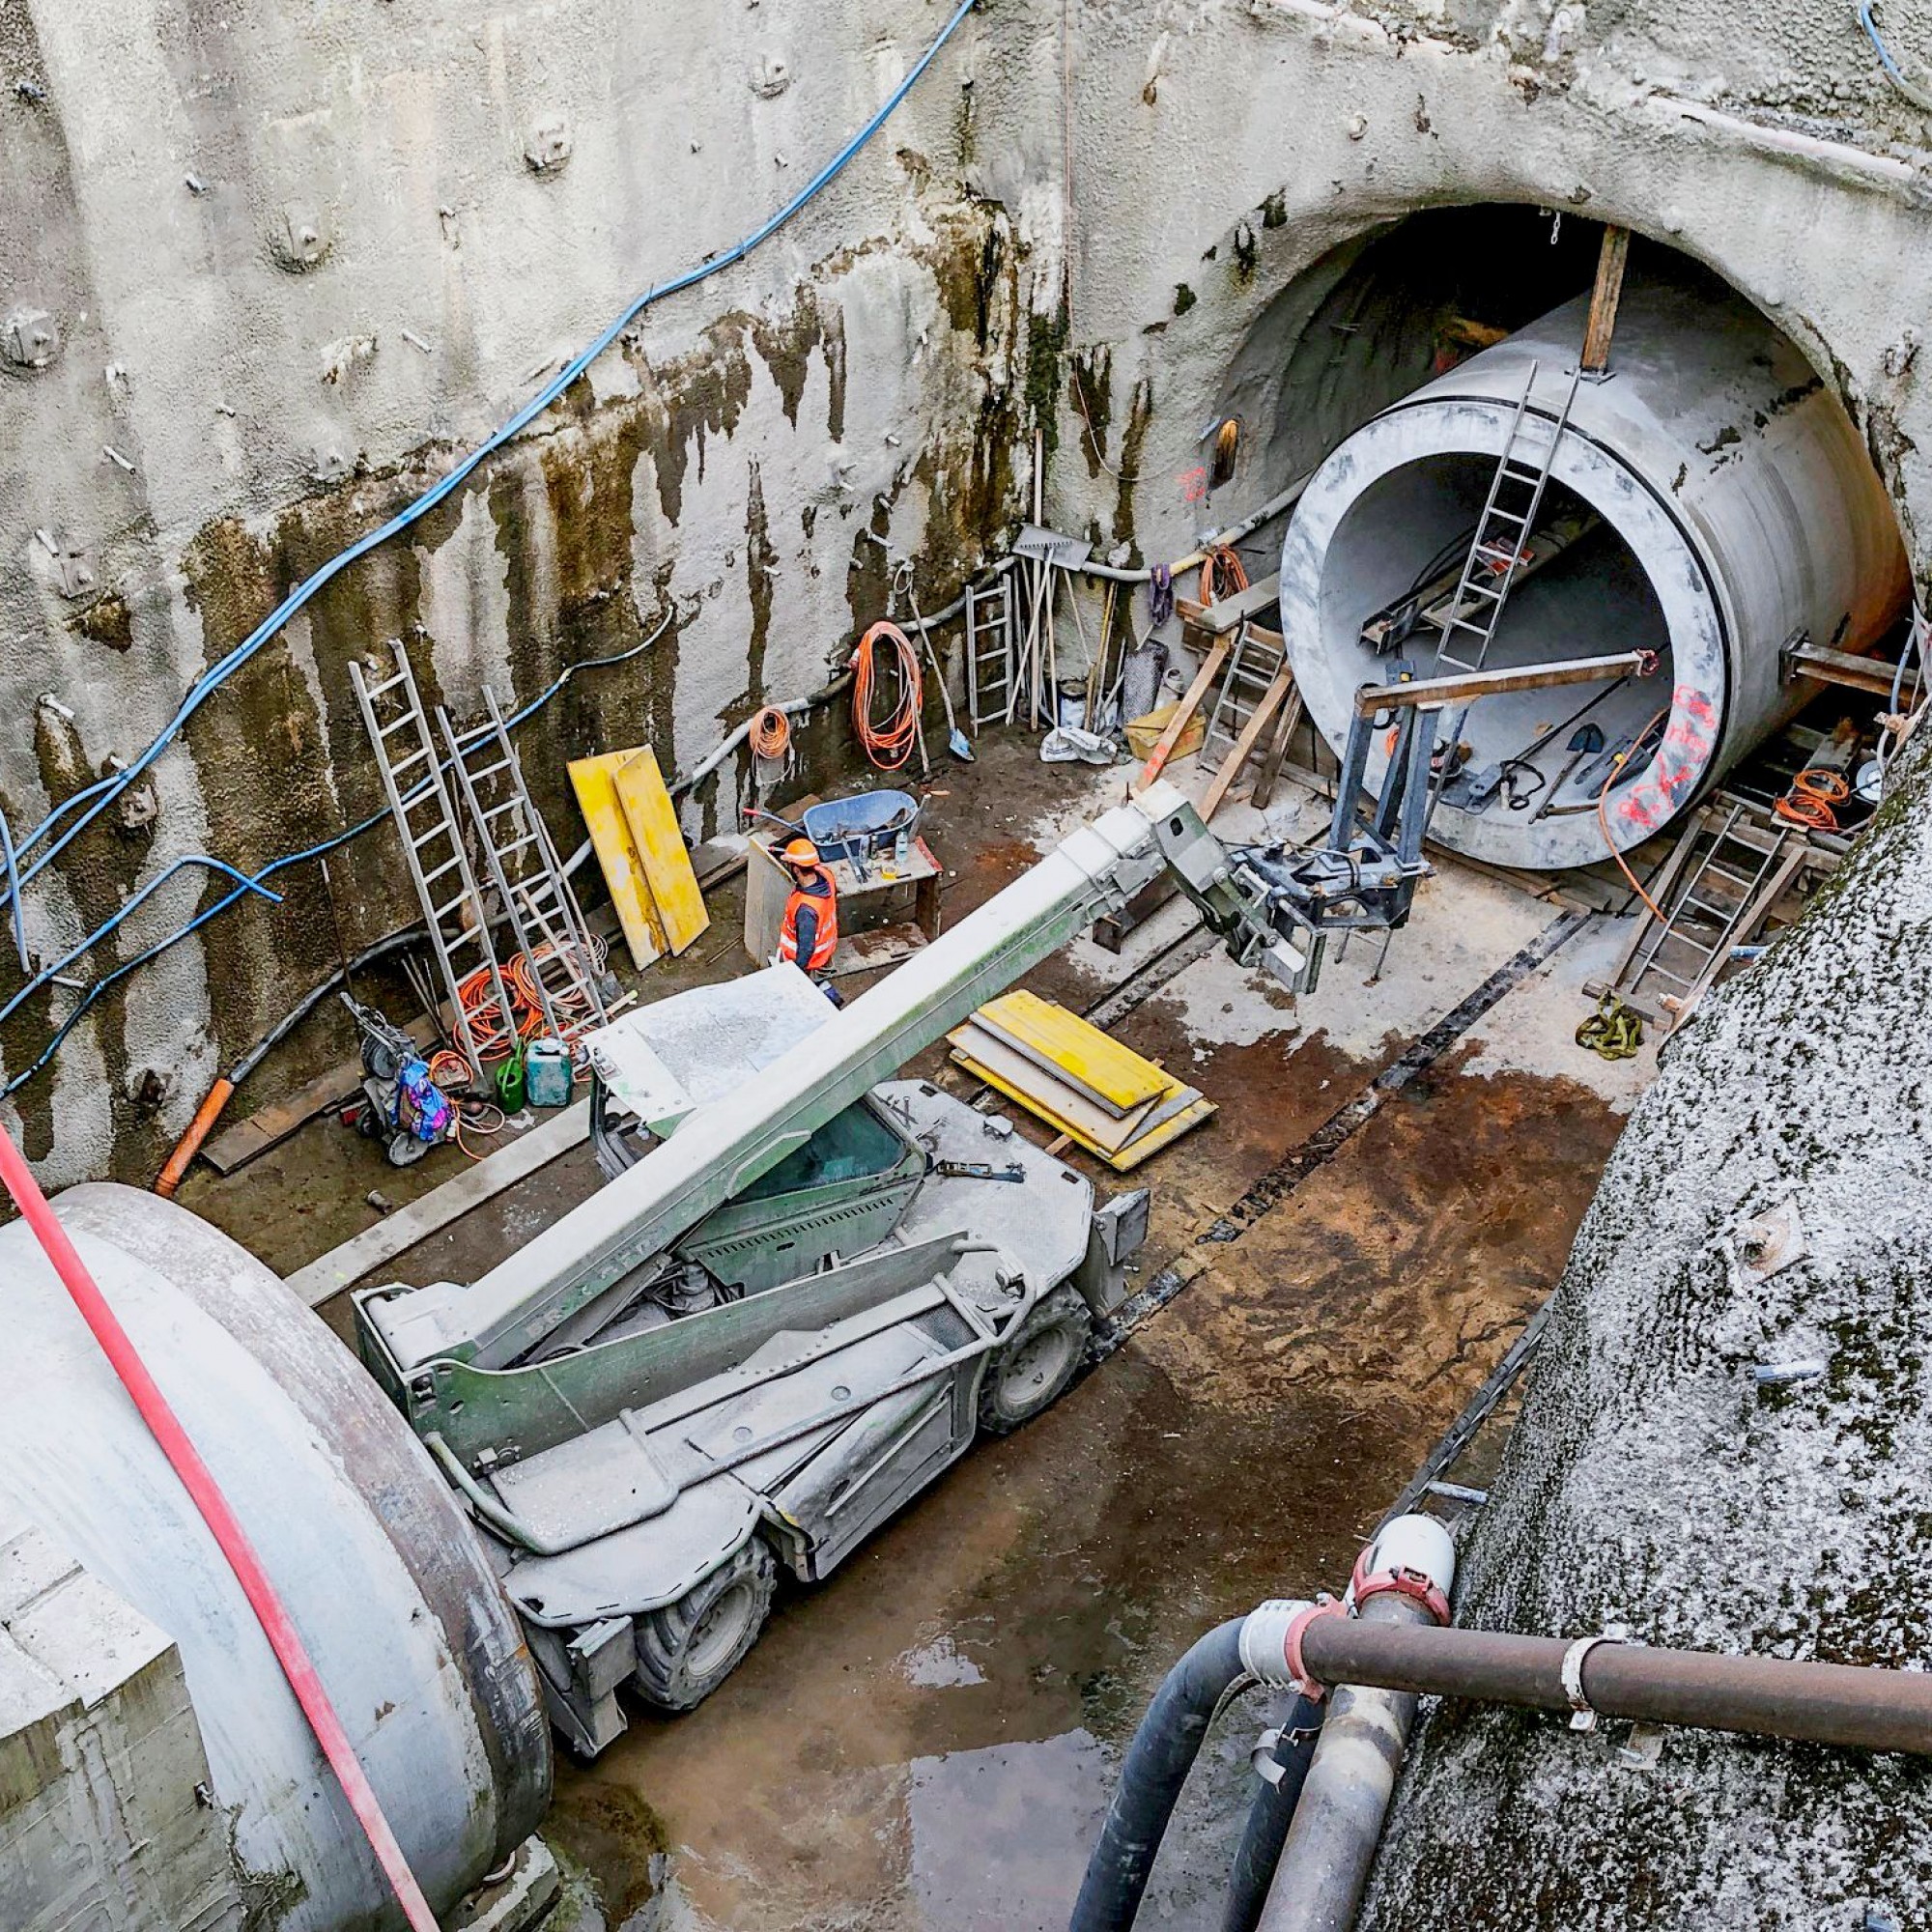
(816, 891)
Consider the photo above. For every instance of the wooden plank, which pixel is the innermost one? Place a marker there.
(271, 1125)
(1229, 614)
(1257, 720)
(1211, 669)
(1268, 775)
(1612, 259)
(655, 832)
(595, 783)
(993, 1060)
(1074, 1050)
(342, 1267)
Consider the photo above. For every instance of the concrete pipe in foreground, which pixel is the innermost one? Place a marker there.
(389, 1585)
(1716, 501)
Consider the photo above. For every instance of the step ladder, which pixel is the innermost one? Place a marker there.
(989, 653)
(521, 864)
(1502, 534)
(1729, 871)
(1253, 665)
(452, 908)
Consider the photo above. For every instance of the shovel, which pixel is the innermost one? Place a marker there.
(1584, 741)
(956, 741)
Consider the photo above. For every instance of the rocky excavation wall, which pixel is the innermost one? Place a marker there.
(498, 182)
(1651, 1484)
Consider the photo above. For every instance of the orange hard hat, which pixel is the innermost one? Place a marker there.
(801, 852)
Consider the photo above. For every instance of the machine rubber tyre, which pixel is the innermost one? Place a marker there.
(1027, 1371)
(688, 1649)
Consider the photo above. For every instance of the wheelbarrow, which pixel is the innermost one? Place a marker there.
(851, 827)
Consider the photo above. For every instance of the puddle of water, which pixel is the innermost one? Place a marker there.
(940, 1665)
(1000, 1836)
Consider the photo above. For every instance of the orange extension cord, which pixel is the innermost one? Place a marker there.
(1810, 802)
(1222, 574)
(770, 733)
(887, 745)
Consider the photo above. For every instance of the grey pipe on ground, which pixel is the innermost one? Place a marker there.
(1270, 1815)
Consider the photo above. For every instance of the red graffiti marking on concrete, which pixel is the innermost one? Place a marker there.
(1682, 755)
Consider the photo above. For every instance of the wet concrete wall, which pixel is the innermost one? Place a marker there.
(268, 274)
(225, 218)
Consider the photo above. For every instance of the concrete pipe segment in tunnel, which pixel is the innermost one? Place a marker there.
(393, 1597)
(1709, 499)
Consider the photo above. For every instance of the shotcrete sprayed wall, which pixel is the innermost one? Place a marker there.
(269, 274)
(1120, 219)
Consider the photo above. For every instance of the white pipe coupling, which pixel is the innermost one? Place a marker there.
(1265, 1641)
(1418, 1544)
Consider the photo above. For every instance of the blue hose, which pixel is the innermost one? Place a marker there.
(103, 791)
(247, 884)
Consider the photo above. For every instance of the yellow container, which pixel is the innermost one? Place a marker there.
(1143, 733)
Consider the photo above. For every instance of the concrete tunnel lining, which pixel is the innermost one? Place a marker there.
(1738, 507)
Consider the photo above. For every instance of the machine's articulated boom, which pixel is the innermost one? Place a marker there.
(720, 1148)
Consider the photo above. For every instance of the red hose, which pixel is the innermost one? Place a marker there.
(186, 1460)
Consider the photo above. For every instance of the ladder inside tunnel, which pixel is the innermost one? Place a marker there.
(1498, 549)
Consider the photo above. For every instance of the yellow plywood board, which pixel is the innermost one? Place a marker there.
(1114, 1076)
(595, 783)
(1041, 1093)
(661, 848)
(1122, 1159)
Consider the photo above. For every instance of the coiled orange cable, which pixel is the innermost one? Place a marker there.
(1814, 793)
(887, 745)
(1222, 574)
(771, 733)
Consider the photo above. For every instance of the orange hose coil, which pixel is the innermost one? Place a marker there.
(887, 745)
(1222, 574)
(771, 733)
(1811, 802)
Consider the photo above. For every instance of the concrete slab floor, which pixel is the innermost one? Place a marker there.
(928, 1741)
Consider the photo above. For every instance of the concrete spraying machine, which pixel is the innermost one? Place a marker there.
(805, 1289)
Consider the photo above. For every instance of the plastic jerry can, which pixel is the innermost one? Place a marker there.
(547, 1077)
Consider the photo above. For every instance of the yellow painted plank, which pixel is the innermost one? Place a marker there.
(654, 830)
(1123, 1159)
(1049, 1096)
(595, 783)
(1112, 1074)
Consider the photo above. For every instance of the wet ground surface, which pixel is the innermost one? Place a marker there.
(927, 1740)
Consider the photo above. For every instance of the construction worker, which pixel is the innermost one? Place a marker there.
(810, 933)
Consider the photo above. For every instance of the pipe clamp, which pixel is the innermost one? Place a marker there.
(1582, 1714)
(1264, 1641)
(1411, 1583)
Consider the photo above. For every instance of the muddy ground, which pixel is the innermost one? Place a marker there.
(928, 1741)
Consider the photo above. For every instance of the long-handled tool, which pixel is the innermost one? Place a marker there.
(1585, 739)
(956, 741)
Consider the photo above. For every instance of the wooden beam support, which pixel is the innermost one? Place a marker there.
(1611, 260)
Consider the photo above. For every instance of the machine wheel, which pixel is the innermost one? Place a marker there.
(1030, 1369)
(687, 1650)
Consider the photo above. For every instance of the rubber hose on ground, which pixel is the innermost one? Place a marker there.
(1269, 1817)
(1158, 1763)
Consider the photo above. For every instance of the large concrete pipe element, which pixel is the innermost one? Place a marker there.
(1723, 503)
(391, 1592)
